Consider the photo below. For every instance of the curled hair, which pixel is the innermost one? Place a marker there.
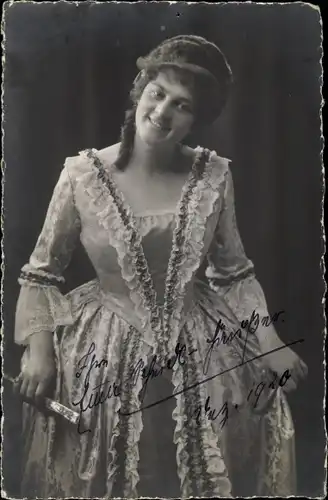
(198, 86)
(128, 128)
(127, 139)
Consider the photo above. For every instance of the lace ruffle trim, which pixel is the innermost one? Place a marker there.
(201, 206)
(135, 425)
(216, 471)
(244, 296)
(43, 308)
(28, 274)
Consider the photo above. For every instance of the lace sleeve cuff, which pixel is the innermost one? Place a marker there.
(244, 296)
(40, 308)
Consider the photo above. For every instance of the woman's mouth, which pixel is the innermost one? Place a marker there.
(158, 125)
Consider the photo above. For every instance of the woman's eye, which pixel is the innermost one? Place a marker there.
(185, 107)
(156, 93)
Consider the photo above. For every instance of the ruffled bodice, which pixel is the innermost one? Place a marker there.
(168, 248)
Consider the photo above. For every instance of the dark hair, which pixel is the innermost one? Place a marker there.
(199, 87)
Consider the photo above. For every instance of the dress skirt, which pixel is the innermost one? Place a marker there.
(252, 428)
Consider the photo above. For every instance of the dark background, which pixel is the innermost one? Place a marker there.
(67, 73)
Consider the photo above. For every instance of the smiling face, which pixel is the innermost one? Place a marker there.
(165, 111)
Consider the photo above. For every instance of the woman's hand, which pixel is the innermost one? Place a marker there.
(38, 368)
(282, 360)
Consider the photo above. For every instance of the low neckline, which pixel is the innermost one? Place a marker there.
(174, 211)
(154, 213)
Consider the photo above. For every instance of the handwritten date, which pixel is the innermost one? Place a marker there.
(252, 399)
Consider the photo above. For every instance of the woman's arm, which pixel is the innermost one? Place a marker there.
(231, 274)
(41, 306)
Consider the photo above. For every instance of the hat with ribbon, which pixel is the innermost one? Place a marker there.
(200, 57)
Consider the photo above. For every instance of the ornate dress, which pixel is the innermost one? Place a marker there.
(164, 409)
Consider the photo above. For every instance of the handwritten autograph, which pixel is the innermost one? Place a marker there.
(154, 370)
(159, 401)
(97, 395)
(247, 326)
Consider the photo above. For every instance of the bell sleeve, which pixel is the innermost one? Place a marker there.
(230, 273)
(41, 306)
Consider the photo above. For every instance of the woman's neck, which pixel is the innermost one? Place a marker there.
(153, 160)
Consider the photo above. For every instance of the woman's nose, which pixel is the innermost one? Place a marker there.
(163, 110)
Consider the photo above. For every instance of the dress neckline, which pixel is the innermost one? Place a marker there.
(134, 214)
(155, 213)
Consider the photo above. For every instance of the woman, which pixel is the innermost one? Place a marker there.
(162, 354)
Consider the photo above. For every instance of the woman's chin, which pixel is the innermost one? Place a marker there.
(155, 140)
